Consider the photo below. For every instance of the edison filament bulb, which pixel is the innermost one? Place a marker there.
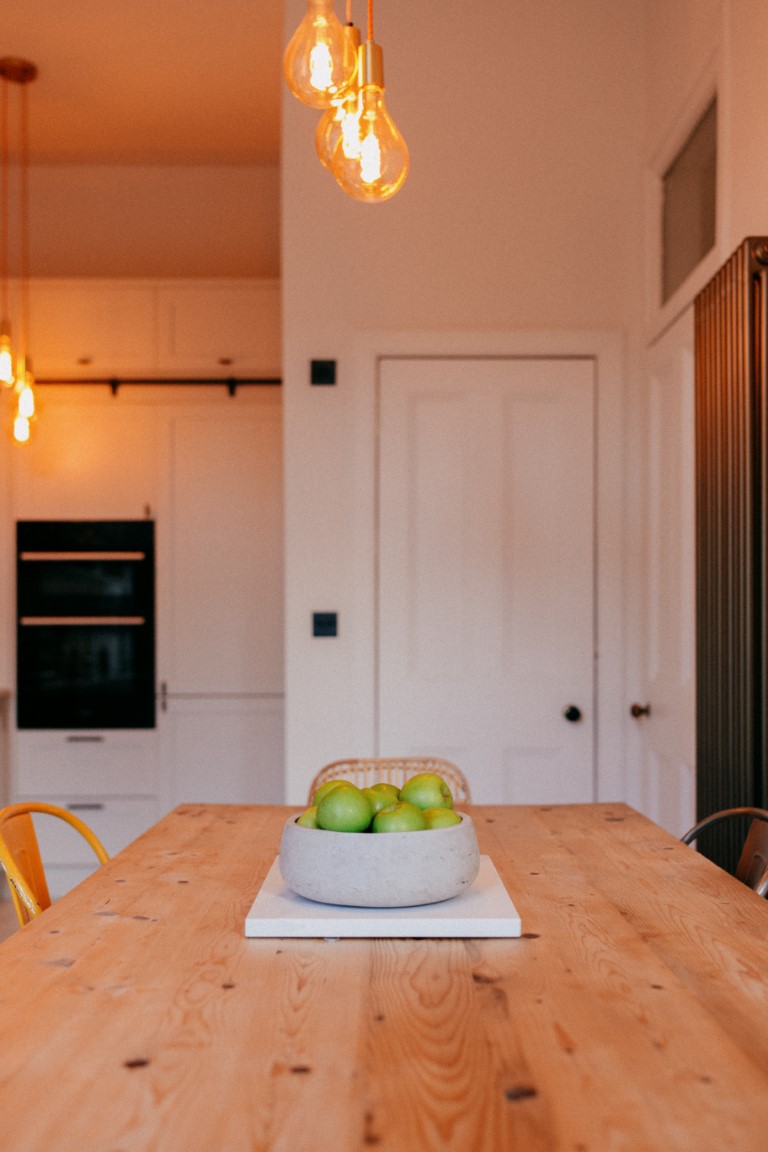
(376, 167)
(340, 121)
(319, 62)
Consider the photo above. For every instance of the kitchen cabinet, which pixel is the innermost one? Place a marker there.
(96, 328)
(207, 468)
(121, 762)
(233, 329)
(223, 750)
(112, 328)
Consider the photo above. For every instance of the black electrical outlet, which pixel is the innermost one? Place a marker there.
(325, 624)
(322, 371)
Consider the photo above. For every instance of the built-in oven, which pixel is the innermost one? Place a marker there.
(86, 624)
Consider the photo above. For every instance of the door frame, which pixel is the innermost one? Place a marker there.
(606, 349)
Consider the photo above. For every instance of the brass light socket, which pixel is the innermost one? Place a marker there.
(352, 33)
(370, 64)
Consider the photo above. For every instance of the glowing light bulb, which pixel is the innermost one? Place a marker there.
(319, 62)
(26, 401)
(6, 356)
(340, 121)
(21, 429)
(378, 169)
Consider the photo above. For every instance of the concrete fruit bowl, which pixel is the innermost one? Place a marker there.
(379, 870)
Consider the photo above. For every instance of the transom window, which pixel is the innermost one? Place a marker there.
(689, 193)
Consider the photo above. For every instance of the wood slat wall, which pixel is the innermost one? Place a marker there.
(731, 509)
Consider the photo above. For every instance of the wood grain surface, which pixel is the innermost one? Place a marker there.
(632, 1015)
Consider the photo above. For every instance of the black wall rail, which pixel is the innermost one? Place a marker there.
(231, 383)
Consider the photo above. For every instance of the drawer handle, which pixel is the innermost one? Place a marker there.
(85, 806)
(85, 739)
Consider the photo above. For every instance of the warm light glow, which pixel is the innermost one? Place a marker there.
(319, 62)
(21, 429)
(370, 158)
(340, 121)
(26, 404)
(321, 68)
(339, 125)
(16, 73)
(6, 360)
(378, 170)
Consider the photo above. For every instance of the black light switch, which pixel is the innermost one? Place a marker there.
(325, 624)
(322, 371)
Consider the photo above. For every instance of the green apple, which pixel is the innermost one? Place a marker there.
(344, 809)
(427, 790)
(324, 789)
(308, 819)
(388, 790)
(441, 817)
(379, 799)
(399, 817)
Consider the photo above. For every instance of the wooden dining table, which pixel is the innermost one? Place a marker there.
(631, 1014)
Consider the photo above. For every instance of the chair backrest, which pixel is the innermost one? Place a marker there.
(752, 867)
(393, 771)
(21, 859)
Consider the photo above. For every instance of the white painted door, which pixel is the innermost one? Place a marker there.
(665, 786)
(486, 627)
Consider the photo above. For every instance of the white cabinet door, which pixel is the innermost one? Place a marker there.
(215, 330)
(114, 762)
(486, 571)
(106, 328)
(222, 602)
(223, 751)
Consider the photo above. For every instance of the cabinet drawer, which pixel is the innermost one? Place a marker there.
(116, 763)
(115, 822)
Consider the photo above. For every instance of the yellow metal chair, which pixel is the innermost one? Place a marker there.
(752, 867)
(363, 773)
(21, 859)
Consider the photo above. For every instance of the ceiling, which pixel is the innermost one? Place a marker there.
(150, 81)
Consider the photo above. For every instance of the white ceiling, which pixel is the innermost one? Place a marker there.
(150, 81)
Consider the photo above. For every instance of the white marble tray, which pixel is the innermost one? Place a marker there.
(483, 910)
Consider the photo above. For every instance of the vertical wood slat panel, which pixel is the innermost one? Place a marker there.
(731, 509)
(730, 542)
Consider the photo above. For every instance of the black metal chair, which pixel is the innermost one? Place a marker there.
(752, 868)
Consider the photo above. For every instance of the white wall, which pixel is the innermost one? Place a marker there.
(155, 221)
(522, 210)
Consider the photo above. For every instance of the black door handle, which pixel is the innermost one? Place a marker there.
(572, 713)
(639, 710)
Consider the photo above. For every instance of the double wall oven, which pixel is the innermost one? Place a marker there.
(86, 624)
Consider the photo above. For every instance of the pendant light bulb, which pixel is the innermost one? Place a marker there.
(25, 404)
(378, 167)
(6, 357)
(340, 121)
(26, 401)
(319, 62)
(21, 429)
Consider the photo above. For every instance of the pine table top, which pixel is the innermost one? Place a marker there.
(632, 1014)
